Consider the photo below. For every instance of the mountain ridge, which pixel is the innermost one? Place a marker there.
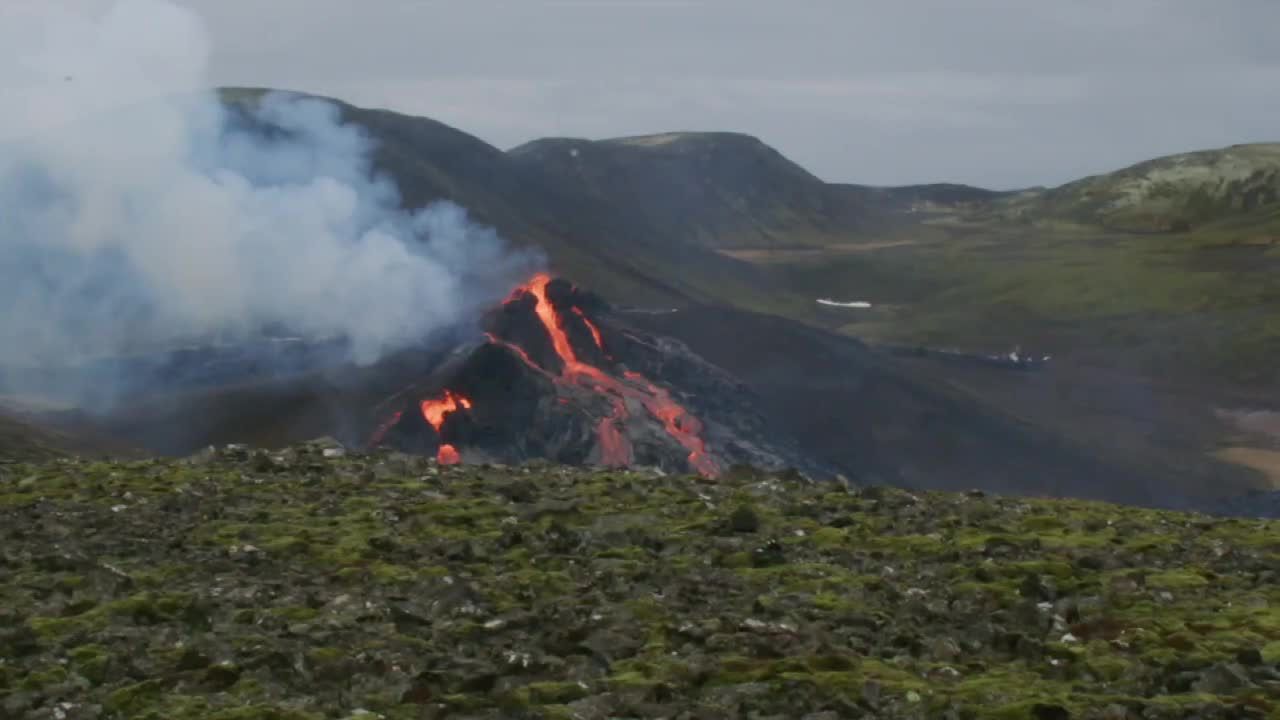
(432, 161)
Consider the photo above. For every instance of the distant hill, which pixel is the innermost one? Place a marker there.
(1178, 192)
(22, 441)
(584, 236)
(932, 197)
(25, 438)
(689, 218)
(713, 189)
(727, 190)
(642, 216)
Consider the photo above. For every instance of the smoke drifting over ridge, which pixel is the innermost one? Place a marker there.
(140, 213)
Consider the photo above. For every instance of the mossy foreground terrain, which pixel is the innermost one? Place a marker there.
(312, 584)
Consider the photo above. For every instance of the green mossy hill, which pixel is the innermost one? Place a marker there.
(309, 584)
(1176, 192)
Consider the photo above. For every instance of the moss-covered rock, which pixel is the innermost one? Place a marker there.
(249, 586)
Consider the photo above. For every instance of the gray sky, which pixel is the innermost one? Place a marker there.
(1000, 93)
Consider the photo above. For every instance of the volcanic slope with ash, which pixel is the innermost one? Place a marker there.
(556, 373)
(554, 379)
(308, 584)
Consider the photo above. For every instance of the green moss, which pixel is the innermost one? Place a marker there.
(547, 693)
(1271, 652)
(828, 537)
(389, 573)
(261, 712)
(1109, 667)
(632, 680)
(650, 599)
(287, 545)
(833, 601)
(91, 661)
(903, 545)
(296, 614)
(133, 699)
(1007, 690)
(735, 670)
(70, 583)
(44, 677)
(324, 655)
(1176, 580)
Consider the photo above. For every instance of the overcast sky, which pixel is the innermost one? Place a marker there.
(1001, 93)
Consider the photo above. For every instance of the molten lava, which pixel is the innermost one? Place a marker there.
(625, 394)
(615, 446)
(682, 426)
(448, 455)
(595, 331)
(434, 411)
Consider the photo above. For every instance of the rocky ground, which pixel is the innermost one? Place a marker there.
(313, 583)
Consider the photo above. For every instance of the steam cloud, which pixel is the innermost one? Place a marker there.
(138, 212)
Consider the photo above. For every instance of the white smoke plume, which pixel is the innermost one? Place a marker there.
(137, 212)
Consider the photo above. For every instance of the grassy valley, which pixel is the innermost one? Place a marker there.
(1154, 326)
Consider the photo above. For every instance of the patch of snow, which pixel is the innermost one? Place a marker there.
(859, 304)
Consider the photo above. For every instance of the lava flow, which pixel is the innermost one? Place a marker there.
(614, 444)
(595, 331)
(434, 411)
(622, 396)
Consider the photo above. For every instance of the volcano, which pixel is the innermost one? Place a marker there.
(556, 373)
(557, 376)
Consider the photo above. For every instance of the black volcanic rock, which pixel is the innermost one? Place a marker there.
(525, 401)
(867, 414)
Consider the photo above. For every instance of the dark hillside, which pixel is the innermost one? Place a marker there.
(583, 237)
(886, 420)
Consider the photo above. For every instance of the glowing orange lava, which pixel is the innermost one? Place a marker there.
(614, 441)
(434, 411)
(595, 331)
(448, 455)
(559, 340)
(682, 426)
(615, 446)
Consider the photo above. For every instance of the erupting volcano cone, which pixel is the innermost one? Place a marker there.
(539, 332)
